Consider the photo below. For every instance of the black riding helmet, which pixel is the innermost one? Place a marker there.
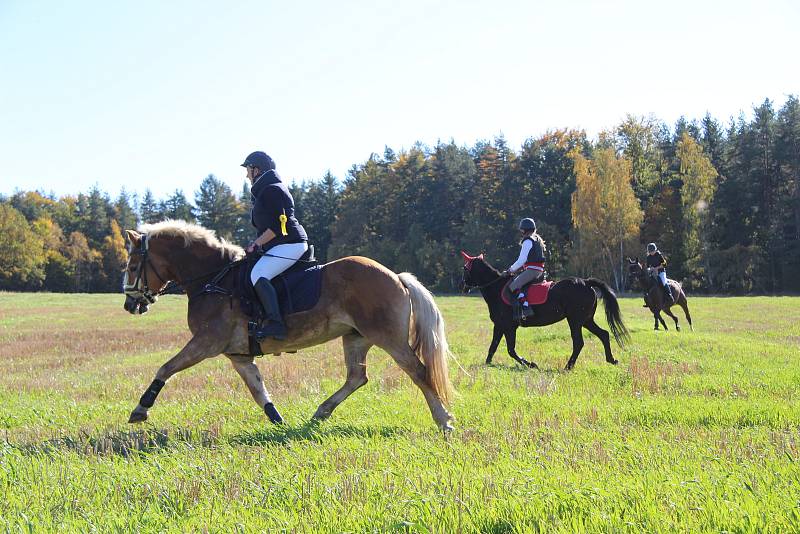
(651, 248)
(259, 159)
(527, 225)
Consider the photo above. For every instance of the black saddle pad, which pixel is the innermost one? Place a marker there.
(298, 289)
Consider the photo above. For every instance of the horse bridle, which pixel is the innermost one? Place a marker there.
(470, 287)
(139, 289)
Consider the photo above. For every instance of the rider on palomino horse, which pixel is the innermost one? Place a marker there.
(279, 232)
(529, 264)
(657, 262)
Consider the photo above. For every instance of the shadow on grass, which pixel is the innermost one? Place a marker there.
(120, 442)
(311, 431)
(516, 367)
(155, 440)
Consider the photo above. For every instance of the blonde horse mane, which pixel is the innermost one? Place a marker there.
(192, 233)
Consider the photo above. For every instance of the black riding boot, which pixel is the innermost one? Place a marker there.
(668, 294)
(273, 326)
(516, 310)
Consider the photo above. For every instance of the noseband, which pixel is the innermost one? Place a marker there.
(139, 289)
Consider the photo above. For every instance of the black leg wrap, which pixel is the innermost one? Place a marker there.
(273, 414)
(150, 395)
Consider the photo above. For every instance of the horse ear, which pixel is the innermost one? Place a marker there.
(133, 236)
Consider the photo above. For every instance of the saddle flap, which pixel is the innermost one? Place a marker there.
(298, 289)
(537, 293)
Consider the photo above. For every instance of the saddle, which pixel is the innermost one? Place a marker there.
(298, 289)
(534, 294)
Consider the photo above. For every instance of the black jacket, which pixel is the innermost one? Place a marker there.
(656, 260)
(271, 199)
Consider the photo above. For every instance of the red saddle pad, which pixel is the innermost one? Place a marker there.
(537, 293)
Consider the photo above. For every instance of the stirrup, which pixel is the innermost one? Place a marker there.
(271, 329)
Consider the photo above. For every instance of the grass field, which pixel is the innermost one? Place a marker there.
(692, 431)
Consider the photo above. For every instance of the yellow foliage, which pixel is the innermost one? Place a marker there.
(605, 211)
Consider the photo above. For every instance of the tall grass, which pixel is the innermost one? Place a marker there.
(692, 431)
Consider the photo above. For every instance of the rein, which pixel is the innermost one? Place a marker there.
(140, 289)
(483, 286)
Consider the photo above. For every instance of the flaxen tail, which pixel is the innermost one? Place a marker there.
(428, 337)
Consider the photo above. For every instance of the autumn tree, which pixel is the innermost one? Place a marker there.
(698, 185)
(21, 251)
(605, 211)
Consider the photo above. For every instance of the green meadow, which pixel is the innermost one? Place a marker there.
(692, 431)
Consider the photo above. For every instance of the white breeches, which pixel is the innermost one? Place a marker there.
(276, 260)
(662, 275)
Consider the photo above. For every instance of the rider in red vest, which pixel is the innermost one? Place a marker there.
(529, 264)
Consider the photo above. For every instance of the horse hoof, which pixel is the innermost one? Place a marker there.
(320, 416)
(533, 365)
(137, 417)
(613, 362)
(678, 328)
(272, 413)
(447, 429)
(488, 361)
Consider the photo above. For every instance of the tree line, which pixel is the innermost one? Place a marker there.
(722, 201)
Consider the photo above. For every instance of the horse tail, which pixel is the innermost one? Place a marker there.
(611, 305)
(428, 337)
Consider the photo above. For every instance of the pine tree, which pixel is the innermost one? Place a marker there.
(95, 220)
(149, 211)
(787, 153)
(124, 213)
(217, 207)
(244, 227)
(177, 207)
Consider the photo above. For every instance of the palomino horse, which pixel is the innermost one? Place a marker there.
(572, 299)
(361, 301)
(655, 296)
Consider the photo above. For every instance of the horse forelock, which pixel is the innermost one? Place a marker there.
(192, 235)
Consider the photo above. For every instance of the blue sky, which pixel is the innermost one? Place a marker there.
(160, 94)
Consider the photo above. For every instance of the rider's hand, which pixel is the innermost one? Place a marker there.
(251, 247)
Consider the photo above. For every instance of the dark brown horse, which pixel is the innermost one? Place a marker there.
(655, 295)
(361, 301)
(573, 299)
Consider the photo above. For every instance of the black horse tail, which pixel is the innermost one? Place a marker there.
(613, 315)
